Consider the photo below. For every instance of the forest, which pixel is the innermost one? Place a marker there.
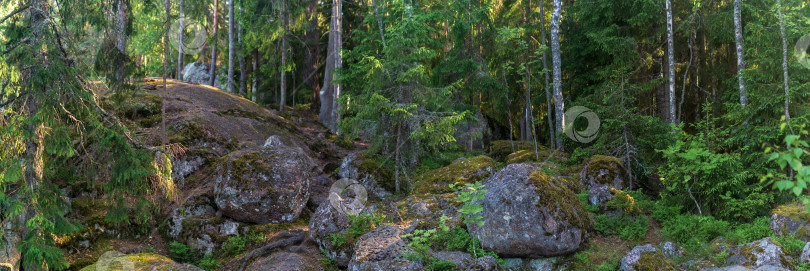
(404, 135)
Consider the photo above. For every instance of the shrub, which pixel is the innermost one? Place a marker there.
(180, 252)
(682, 228)
(625, 226)
(208, 262)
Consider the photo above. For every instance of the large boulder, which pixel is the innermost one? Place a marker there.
(542, 154)
(298, 258)
(645, 258)
(601, 169)
(758, 253)
(462, 171)
(791, 219)
(361, 167)
(382, 249)
(473, 134)
(324, 223)
(198, 73)
(528, 214)
(268, 185)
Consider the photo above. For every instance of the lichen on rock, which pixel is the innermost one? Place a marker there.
(462, 172)
(601, 169)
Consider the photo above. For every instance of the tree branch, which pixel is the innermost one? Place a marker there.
(15, 12)
(7, 50)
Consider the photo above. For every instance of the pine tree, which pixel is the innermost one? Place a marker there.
(559, 104)
(212, 70)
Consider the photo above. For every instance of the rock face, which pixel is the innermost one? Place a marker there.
(141, 261)
(327, 221)
(805, 257)
(527, 214)
(197, 73)
(287, 261)
(599, 196)
(601, 169)
(645, 258)
(382, 249)
(791, 219)
(473, 134)
(757, 254)
(358, 166)
(269, 185)
(463, 171)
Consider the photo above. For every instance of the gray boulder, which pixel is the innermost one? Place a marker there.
(382, 249)
(527, 214)
(805, 257)
(757, 254)
(791, 219)
(646, 257)
(599, 195)
(743, 268)
(197, 73)
(601, 169)
(268, 185)
(286, 261)
(356, 166)
(327, 221)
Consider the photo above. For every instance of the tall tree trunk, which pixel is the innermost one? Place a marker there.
(242, 72)
(231, 46)
(671, 63)
(525, 129)
(551, 134)
(180, 42)
(122, 45)
(255, 88)
(338, 62)
(379, 21)
(284, 22)
(163, 137)
(559, 104)
(327, 91)
(312, 53)
(212, 70)
(784, 59)
(738, 37)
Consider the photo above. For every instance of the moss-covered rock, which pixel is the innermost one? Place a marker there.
(528, 214)
(543, 154)
(601, 169)
(500, 149)
(464, 171)
(363, 168)
(140, 262)
(791, 219)
(759, 253)
(646, 258)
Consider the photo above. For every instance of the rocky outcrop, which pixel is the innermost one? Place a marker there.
(528, 214)
(743, 268)
(500, 149)
(805, 256)
(473, 134)
(288, 261)
(139, 262)
(463, 171)
(428, 209)
(757, 254)
(362, 168)
(382, 249)
(645, 258)
(791, 219)
(269, 185)
(601, 169)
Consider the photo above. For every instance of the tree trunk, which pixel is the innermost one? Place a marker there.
(242, 73)
(551, 134)
(163, 137)
(180, 42)
(122, 45)
(559, 104)
(327, 92)
(283, 95)
(784, 59)
(312, 53)
(338, 62)
(671, 63)
(379, 21)
(231, 46)
(212, 70)
(255, 88)
(526, 125)
(738, 37)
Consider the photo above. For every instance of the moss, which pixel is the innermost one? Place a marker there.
(611, 164)
(653, 261)
(793, 211)
(543, 153)
(242, 164)
(465, 171)
(368, 165)
(555, 195)
(187, 133)
(88, 206)
(142, 261)
(502, 148)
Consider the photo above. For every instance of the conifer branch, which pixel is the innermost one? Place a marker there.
(15, 12)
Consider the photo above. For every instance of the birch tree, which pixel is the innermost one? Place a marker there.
(671, 63)
(784, 58)
(551, 134)
(556, 61)
(180, 42)
(738, 37)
